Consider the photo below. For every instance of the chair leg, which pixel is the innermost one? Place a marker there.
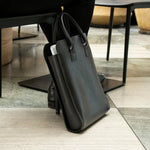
(38, 27)
(0, 63)
(19, 30)
(127, 33)
(110, 32)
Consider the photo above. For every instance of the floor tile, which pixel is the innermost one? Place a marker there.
(23, 129)
(114, 67)
(28, 61)
(117, 51)
(134, 94)
(14, 95)
(139, 121)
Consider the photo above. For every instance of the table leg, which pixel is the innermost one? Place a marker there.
(19, 29)
(110, 31)
(127, 34)
(38, 27)
(0, 63)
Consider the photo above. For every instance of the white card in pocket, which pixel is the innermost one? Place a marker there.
(53, 50)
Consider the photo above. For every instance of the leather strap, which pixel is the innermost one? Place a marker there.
(60, 28)
(68, 38)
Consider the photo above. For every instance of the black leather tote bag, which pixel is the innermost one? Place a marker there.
(80, 93)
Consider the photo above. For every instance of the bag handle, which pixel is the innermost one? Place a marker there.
(55, 28)
(60, 21)
(68, 38)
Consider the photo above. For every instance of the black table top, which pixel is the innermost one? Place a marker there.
(29, 19)
(117, 3)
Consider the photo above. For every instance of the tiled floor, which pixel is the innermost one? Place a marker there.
(31, 129)
(27, 124)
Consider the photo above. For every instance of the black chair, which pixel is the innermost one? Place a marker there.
(21, 35)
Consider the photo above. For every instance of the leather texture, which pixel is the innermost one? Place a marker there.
(80, 93)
